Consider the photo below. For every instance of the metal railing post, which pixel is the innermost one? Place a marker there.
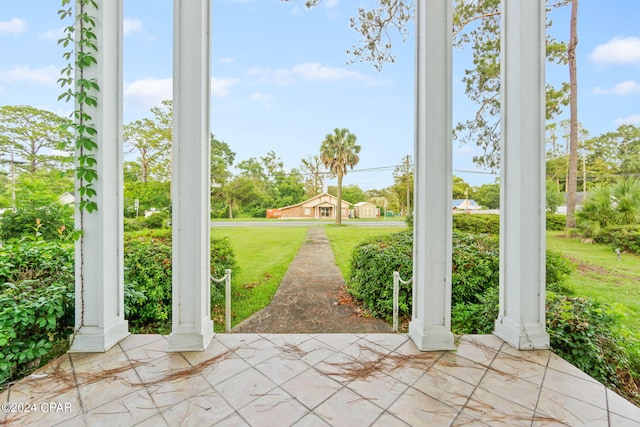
(396, 293)
(227, 297)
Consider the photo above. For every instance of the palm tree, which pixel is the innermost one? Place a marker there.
(337, 152)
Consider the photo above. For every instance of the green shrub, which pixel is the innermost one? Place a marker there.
(477, 223)
(476, 266)
(36, 303)
(475, 270)
(587, 334)
(558, 269)
(155, 220)
(148, 273)
(556, 222)
(623, 237)
(50, 222)
(372, 265)
(476, 318)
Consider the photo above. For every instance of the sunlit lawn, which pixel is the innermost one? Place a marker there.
(599, 274)
(263, 255)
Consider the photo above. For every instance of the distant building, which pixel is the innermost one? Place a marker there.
(322, 206)
(465, 204)
(67, 198)
(580, 198)
(365, 210)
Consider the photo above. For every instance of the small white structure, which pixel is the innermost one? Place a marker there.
(365, 210)
(465, 204)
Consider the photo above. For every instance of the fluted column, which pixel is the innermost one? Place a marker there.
(521, 321)
(430, 326)
(99, 282)
(192, 327)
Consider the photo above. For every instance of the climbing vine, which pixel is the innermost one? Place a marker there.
(83, 92)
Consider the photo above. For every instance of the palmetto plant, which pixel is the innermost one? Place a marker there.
(606, 205)
(339, 152)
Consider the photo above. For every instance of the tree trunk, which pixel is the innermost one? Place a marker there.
(572, 178)
(339, 207)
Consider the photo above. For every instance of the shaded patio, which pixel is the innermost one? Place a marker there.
(315, 380)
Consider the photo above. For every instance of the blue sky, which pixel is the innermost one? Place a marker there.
(281, 82)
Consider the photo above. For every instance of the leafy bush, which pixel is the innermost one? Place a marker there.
(476, 318)
(155, 220)
(372, 265)
(475, 270)
(148, 273)
(477, 223)
(623, 237)
(558, 269)
(587, 334)
(48, 222)
(556, 222)
(36, 303)
(476, 265)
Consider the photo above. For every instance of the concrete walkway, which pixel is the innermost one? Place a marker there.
(307, 299)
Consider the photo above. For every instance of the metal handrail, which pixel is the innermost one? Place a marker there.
(227, 297)
(396, 291)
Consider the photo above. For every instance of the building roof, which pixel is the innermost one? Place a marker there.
(319, 197)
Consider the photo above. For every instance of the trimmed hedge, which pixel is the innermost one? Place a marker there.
(475, 269)
(556, 222)
(477, 223)
(623, 237)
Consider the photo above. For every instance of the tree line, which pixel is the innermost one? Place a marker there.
(37, 166)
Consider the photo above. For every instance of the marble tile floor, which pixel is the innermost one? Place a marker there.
(313, 380)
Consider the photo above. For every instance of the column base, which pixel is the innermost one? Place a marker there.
(91, 339)
(521, 336)
(431, 339)
(191, 341)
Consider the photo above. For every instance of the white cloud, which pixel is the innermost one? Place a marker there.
(618, 50)
(53, 35)
(221, 87)
(148, 92)
(264, 98)
(314, 71)
(25, 74)
(628, 87)
(331, 3)
(13, 27)
(634, 119)
(226, 60)
(309, 71)
(132, 25)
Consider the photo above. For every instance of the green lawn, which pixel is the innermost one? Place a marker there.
(600, 275)
(263, 255)
(344, 239)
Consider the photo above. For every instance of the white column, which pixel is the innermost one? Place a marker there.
(192, 327)
(99, 292)
(521, 321)
(430, 326)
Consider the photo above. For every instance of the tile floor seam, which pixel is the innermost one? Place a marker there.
(582, 400)
(143, 383)
(476, 386)
(77, 387)
(544, 375)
